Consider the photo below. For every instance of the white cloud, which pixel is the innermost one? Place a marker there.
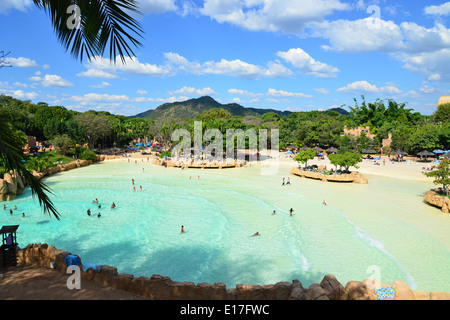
(52, 80)
(235, 68)
(156, 6)
(307, 65)
(364, 87)
(102, 85)
(95, 73)
(288, 16)
(433, 66)
(322, 90)
(21, 5)
(282, 93)
(22, 62)
(97, 97)
(20, 94)
(244, 92)
(359, 35)
(100, 67)
(440, 10)
(142, 92)
(193, 91)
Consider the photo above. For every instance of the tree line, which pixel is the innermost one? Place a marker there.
(411, 131)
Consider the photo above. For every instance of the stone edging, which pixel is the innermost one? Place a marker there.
(159, 287)
(354, 177)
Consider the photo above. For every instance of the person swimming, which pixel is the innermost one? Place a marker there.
(182, 229)
(274, 212)
(324, 202)
(99, 215)
(89, 211)
(256, 234)
(113, 206)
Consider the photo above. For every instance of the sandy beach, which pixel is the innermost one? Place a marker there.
(407, 170)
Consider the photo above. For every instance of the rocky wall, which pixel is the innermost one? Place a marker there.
(160, 287)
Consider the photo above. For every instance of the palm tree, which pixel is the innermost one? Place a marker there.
(97, 24)
(11, 156)
(91, 25)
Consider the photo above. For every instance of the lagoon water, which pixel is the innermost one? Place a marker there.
(381, 230)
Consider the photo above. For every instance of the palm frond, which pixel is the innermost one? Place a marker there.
(100, 22)
(11, 154)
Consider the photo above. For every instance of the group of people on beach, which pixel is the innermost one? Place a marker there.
(11, 210)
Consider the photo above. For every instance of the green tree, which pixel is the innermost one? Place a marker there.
(304, 155)
(63, 142)
(441, 174)
(96, 126)
(442, 113)
(345, 160)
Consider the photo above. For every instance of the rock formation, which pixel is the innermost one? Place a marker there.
(433, 198)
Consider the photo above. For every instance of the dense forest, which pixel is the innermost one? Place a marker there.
(411, 131)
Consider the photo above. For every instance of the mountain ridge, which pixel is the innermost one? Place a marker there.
(190, 108)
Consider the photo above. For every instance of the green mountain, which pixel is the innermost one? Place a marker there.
(189, 109)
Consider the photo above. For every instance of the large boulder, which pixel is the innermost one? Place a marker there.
(333, 289)
(436, 200)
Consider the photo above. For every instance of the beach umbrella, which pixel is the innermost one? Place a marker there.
(438, 151)
(369, 150)
(289, 152)
(425, 153)
(317, 149)
(400, 152)
(305, 148)
(447, 155)
(332, 149)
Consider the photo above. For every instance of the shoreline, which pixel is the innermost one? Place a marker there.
(409, 170)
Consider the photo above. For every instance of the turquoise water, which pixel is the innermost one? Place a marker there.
(383, 225)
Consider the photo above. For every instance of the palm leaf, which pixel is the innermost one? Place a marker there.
(11, 154)
(100, 22)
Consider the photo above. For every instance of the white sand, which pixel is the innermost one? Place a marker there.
(409, 170)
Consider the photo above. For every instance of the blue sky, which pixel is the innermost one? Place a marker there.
(296, 55)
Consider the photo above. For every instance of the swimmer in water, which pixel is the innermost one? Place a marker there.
(273, 212)
(256, 234)
(291, 211)
(89, 211)
(113, 205)
(324, 202)
(99, 215)
(182, 229)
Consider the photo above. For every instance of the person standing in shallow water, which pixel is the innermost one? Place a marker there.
(182, 229)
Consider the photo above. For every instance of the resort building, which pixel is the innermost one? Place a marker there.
(443, 99)
(385, 143)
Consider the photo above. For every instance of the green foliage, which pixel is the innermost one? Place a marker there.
(345, 160)
(441, 174)
(165, 153)
(442, 114)
(87, 154)
(304, 155)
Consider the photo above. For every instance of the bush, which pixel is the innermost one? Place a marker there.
(165, 153)
(86, 154)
